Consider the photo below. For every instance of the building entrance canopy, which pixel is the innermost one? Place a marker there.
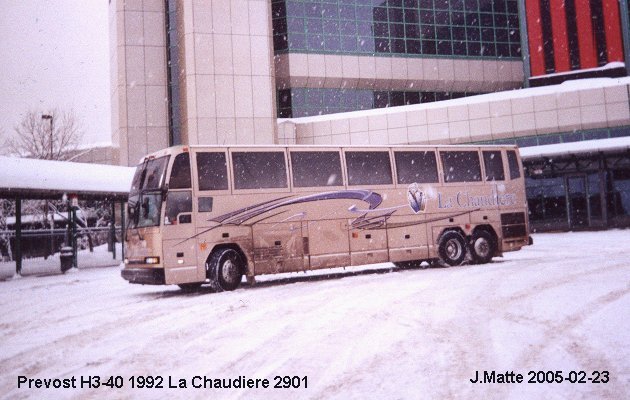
(22, 178)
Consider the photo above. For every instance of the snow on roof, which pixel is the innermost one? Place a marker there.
(23, 175)
(587, 146)
(563, 88)
(610, 65)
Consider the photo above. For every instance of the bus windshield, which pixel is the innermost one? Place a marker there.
(145, 196)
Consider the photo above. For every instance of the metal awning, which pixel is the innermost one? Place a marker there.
(45, 179)
(22, 178)
(614, 145)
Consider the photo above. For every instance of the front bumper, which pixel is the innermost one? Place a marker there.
(144, 276)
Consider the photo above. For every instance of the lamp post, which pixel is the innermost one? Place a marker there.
(52, 219)
(50, 117)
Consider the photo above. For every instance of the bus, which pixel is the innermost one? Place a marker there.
(208, 214)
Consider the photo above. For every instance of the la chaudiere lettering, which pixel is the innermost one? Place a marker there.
(466, 200)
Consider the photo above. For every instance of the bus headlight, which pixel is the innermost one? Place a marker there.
(152, 260)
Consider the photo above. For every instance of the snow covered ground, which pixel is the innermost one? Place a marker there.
(378, 332)
(52, 265)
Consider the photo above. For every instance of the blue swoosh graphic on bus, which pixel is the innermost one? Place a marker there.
(367, 221)
(240, 216)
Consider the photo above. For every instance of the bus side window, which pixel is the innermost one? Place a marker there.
(368, 168)
(177, 203)
(493, 164)
(316, 168)
(180, 173)
(461, 166)
(212, 170)
(515, 172)
(416, 167)
(205, 204)
(259, 170)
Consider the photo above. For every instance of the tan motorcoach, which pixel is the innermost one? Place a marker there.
(207, 214)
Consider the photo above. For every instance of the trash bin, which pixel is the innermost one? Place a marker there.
(66, 258)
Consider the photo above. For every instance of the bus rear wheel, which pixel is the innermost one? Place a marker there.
(452, 248)
(224, 269)
(482, 247)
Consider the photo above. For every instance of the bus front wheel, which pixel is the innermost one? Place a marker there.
(452, 248)
(224, 269)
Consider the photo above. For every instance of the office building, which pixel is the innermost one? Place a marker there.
(361, 72)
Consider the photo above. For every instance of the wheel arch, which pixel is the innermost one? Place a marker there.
(489, 229)
(451, 229)
(235, 247)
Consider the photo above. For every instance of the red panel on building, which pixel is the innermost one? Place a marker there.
(535, 37)
(586, 40)
(612, 24)
(560, 38)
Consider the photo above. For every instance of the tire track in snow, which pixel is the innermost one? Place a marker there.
(562, 332)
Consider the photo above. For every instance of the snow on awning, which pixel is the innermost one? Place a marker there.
(587, 146)
(51, 179)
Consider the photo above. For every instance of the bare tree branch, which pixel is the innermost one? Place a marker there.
(53, 135)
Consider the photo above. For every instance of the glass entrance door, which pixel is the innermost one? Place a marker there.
(577, 201)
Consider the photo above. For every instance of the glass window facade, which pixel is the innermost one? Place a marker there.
(172, 73)
(304, 102)
(546, 198)
(585, 191)
(619, 192)
(464, 28)
(539, 140)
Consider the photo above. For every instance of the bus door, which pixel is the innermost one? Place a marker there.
(178, 228)
(278, 247)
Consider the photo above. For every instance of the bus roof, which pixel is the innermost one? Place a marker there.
(175, 149)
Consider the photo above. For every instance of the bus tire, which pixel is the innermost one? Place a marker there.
(482, 247)
(452, 248)
(224, 269)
